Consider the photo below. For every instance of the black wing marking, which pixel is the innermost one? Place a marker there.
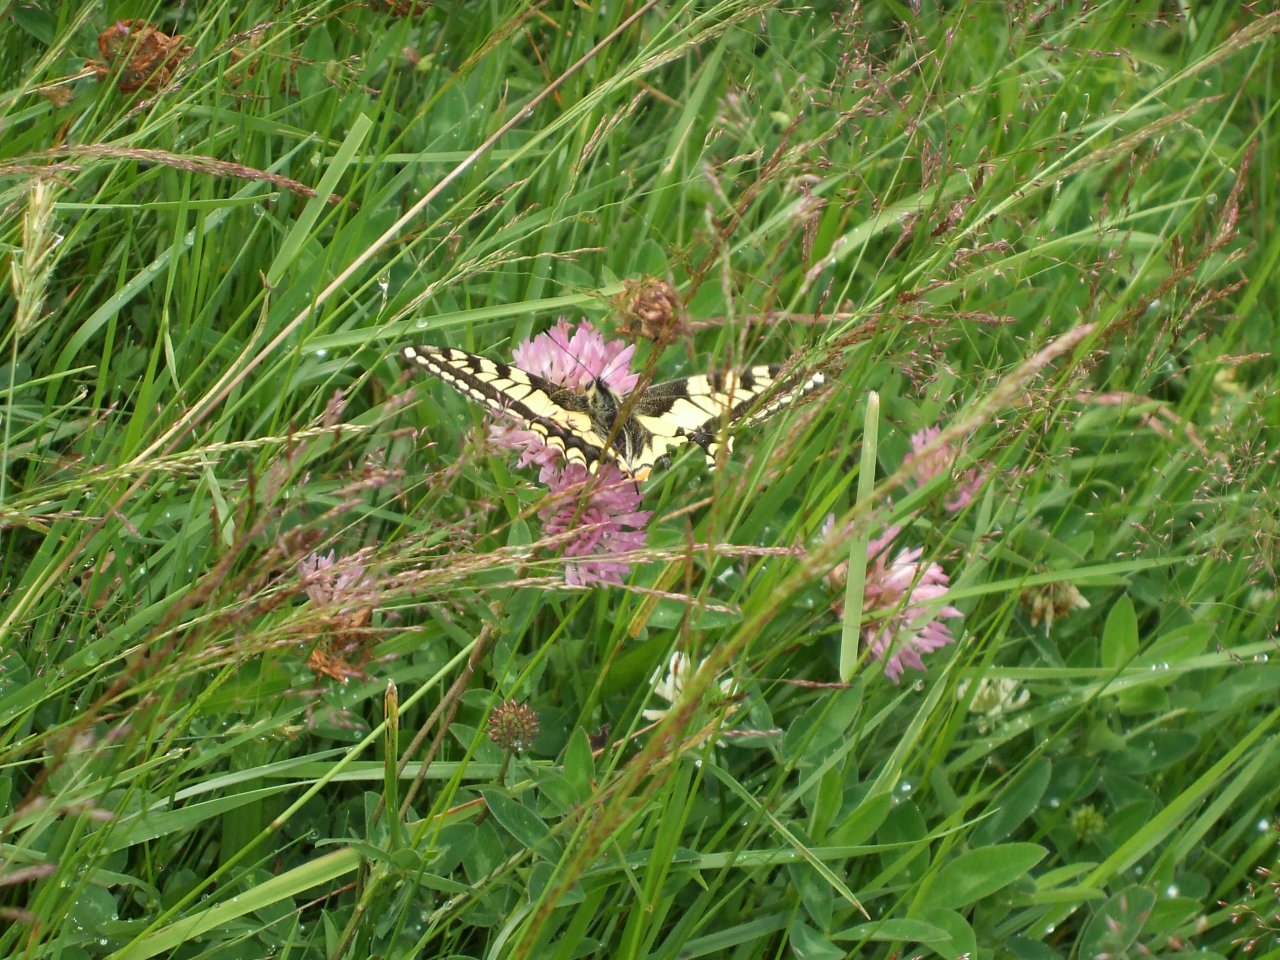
(556, 414)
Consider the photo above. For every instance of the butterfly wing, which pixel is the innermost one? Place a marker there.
(558, 415)
(699, 409)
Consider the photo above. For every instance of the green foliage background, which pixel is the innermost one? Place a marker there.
(1049, 230)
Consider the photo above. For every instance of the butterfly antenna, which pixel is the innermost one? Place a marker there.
(564, 348)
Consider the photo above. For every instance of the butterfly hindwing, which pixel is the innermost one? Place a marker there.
(556, 414)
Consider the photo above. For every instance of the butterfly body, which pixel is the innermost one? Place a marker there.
(599, 424)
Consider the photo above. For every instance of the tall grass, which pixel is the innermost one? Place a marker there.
(1047, 232)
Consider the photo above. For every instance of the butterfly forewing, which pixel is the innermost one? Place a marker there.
(556, 414)
(701, 408)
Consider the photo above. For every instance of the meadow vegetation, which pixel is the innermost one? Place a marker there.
(969, 652)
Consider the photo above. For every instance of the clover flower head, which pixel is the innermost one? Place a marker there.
(909, 591)
(993, 697)
(670, 687)
(568, 358)
(925, 464)
(600, 519)
(1051, 601)
(330, 582)
(514, 726)
(902, 614)
(579, 357)
(345, 598)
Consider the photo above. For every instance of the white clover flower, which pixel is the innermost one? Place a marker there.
(993, 698)
(680, 669)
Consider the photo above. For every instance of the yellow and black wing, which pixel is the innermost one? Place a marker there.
(635, 432)
(558, 415)
(702, 409)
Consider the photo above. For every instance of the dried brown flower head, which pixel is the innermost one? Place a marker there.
(514, 726)
(651, 308)
(58, 95)
(347, 598)
(324, 660)
(144, 56)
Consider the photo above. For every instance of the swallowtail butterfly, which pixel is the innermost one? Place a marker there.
(599, 424)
